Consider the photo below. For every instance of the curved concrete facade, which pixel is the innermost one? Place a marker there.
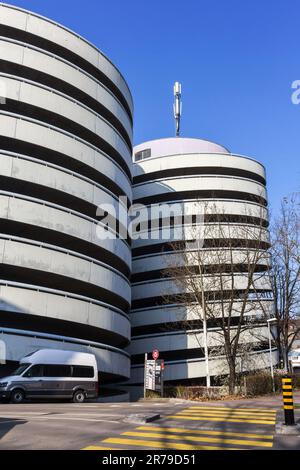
(189, 172)
(65, 148)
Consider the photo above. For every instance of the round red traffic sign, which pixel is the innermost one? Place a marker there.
(155, 354)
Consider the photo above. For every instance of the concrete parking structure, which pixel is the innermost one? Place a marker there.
(65, 148)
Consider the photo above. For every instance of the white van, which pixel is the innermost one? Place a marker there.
(52, 373)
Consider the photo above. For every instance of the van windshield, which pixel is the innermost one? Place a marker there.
(20, 369)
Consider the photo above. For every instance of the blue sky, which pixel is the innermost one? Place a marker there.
(236, 61)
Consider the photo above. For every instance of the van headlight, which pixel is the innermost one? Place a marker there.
(3, 384)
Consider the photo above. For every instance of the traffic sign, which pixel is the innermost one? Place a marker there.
(155, 354)
(150, 375)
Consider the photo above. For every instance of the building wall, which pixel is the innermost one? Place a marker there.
(65, 148)
(189, 172)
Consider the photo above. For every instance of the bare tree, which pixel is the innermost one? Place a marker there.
(285, 275)
(220, 278)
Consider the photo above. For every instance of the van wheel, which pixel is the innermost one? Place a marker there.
(79, 396)
(17, 396)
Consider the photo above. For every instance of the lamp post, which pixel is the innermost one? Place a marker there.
(206, 350)
(269, 321)
(205, 334)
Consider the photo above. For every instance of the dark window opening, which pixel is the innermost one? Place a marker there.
(82, 371)
(146, 153)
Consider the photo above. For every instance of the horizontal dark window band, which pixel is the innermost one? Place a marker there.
(55, 196)
(62, 240)
(211, 269)
(60, 121)
(200, 170)
(45, 154)
(28, 322)
(193, 353)
(60, 282)
(175, 299)
(176, 221)
(208, 243)
(49, 46)
(200, 194)
(177, 326)
(21, 71)
(33, 112)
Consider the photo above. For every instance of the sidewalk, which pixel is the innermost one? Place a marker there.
(267, 400)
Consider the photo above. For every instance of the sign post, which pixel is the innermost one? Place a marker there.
(153, 373)
(145, 373)
(162, 377)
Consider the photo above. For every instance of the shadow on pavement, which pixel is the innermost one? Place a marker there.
(7, 424)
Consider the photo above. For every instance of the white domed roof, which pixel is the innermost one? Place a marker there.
(179, 145)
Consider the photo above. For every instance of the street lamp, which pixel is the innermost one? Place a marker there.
(269, 321)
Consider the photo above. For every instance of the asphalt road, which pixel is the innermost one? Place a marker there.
(182, 426)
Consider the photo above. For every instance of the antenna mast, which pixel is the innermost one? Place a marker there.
(177, 106)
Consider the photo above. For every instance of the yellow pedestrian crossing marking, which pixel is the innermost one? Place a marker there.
(100, 448)
(211, 432)
(226, 414)
(215, 440)
(181, 438)
(220, 418)
(163, 445)
(257, 410)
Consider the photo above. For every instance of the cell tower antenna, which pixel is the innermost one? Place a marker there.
(177, 107)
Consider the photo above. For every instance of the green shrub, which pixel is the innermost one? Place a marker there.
(296, 381)
(260, 383)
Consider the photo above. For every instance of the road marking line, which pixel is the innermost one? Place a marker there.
(99, 448)
(225, 415)
(261, 410)
(220, 418)
(231, 410)
(54, 418)
(161, 445)
(25, 413)
(228, 411)
(204, 431)
(61, 418)
(92, 415)
(215, 440)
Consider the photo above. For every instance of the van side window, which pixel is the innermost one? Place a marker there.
(35, 371)
(83, 371)
(57, 370)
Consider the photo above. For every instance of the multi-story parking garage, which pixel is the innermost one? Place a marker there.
(65, 148)
(188, 171)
